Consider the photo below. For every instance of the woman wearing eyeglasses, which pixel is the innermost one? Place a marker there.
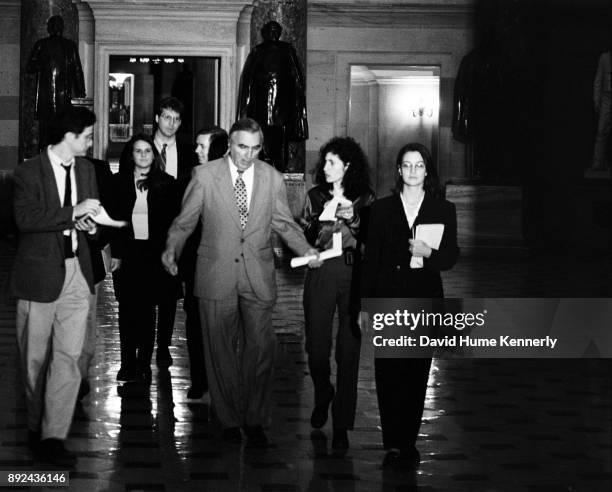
(398, 265)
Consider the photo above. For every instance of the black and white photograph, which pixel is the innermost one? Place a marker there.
(306, 245)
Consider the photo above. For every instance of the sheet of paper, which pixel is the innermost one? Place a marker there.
(329, 211)
(431, 235)
(104, 219)
(333, 252)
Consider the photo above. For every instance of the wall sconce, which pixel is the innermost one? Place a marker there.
(421, 109)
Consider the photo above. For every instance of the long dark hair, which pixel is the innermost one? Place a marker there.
(356, 180)
(126, 165)
(431, 185)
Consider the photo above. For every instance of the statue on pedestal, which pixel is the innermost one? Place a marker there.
(272, 92)
(56, 63)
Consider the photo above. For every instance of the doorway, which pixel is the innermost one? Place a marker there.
(389, 106)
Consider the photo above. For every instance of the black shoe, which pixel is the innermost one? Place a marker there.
(84, 389)
(405, 459)
(163, 358)
(256, 436)
(319, 414)
(340, 440)
(232, 435)
(128, 373)
(53, 451)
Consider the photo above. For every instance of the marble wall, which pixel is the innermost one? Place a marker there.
(9, 83)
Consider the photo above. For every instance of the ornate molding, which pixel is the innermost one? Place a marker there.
(409, 13)
(206, 10)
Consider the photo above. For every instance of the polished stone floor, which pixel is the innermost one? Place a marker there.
(489, 425)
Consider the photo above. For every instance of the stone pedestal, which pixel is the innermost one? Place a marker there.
(291, 15)
(487, 216)
(34, 15)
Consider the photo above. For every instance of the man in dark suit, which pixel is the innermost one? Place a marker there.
(241, 200)
(55, 196)
(178, 161)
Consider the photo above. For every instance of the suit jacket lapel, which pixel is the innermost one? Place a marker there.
(51, 191)
(401, 222)
(226, 188)
(54, 200)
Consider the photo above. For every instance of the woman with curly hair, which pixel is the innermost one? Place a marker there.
(146, 197)
(342, 172)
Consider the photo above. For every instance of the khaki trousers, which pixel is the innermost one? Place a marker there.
(50, 338)
(91, 335)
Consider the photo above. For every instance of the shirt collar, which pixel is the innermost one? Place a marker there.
(234, 170)
(56, 160)
(161, 144)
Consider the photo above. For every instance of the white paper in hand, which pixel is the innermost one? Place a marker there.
(333, 252)
(431, 235)
(329, 211)
(104, 219)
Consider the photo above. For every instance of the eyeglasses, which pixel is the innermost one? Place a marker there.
(168, 118)
(417, 166)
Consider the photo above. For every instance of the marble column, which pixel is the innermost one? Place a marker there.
(34, 15)
(291, 15)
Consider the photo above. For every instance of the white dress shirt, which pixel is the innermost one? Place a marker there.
(60, 180)
(248, 177)
(140, 214)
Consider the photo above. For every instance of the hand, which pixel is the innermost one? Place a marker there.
(89, 206)
(86, 223)
(168, 259)
(419, 248)
(316, 263)
(345, 213)
(115, 264)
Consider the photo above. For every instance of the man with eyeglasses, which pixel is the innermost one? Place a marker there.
(178, 162)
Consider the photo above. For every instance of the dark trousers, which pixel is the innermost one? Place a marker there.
(325, 289)
(401, 385)
(193, 333)
(141, 286)
(166, 313)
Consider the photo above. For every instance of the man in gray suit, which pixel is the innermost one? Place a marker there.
(240, 200)
(55, 195)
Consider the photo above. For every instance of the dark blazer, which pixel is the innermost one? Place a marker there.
(162, 203)
(386, 267)
(162, 207)
(185, 161)
(39, 269)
